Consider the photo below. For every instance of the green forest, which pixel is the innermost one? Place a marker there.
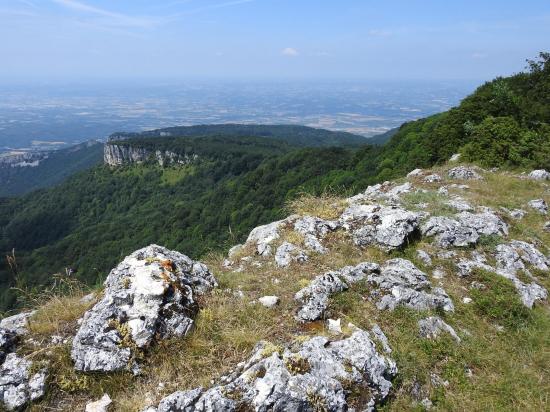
(241, 180)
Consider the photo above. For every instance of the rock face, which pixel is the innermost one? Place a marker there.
(401, 283)
(150, 293)
(433, 326)
(464, 173)
(262, 236)
(539, 175)
(311, 377)
(118, 155)
(17, 385)
(388, 227)
(465, 230)
(315, 297)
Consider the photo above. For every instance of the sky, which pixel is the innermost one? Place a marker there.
(275, 39)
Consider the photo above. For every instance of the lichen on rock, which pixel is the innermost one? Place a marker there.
(150, 293)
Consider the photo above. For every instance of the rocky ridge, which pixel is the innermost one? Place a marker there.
(155, 295)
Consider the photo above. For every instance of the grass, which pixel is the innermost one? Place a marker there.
(492, 369)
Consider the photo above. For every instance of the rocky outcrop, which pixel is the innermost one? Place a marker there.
(387, 227)
(151, 293)
(314, 376)
(18, 386)
(261, 237)
(118, 155)
(399, 282)
(315, 229)
(17, 324)
(315, 297)
(465, 229)
(464, 173)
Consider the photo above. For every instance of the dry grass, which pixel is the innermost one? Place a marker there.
(327, 206)
(509, 368)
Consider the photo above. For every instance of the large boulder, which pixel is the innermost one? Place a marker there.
(318, 375)
(150, 294)
(399, 282)
(387, 227)
(18, 386)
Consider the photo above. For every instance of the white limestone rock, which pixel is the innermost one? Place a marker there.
(455, 157)
(315, 297)
(433, 178)
(433, 326)
(269, 301)
(305, 378)
(314, 230)
(464, 173)
(101, 405)
(287, 253)
(539, 205)
(262, 236)
(150, 294)
(415, 173)
(465, 229)
(539, 175)
(17, 324)
(387, 227)
(399, 282)
(17, 386)
(334, 326)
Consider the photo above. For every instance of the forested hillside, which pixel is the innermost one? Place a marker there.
(92, 220)
(54, 168)
(293, 134)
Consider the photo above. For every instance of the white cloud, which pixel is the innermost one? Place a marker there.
(290, 51)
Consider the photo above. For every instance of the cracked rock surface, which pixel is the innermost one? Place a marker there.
(151, 293)
(433, 326)
(387, 227)
(399, 282)
(311, 376)
(17, 385)
(315, 297)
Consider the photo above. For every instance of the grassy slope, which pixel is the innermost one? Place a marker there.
(509, 367)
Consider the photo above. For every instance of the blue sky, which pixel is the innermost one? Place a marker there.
(84, 39)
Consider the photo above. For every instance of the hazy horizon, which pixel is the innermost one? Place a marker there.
(68, 40)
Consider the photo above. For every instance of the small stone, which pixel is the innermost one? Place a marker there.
(455, 157)
(546, 226)
(433, 178)
(269, 301)
(438, 273)
(334, 326)
(432, 326)
(287, 253)
(102, 405)
(466, 300)
(426, 403)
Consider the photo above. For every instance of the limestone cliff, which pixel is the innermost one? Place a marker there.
(118, 155)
